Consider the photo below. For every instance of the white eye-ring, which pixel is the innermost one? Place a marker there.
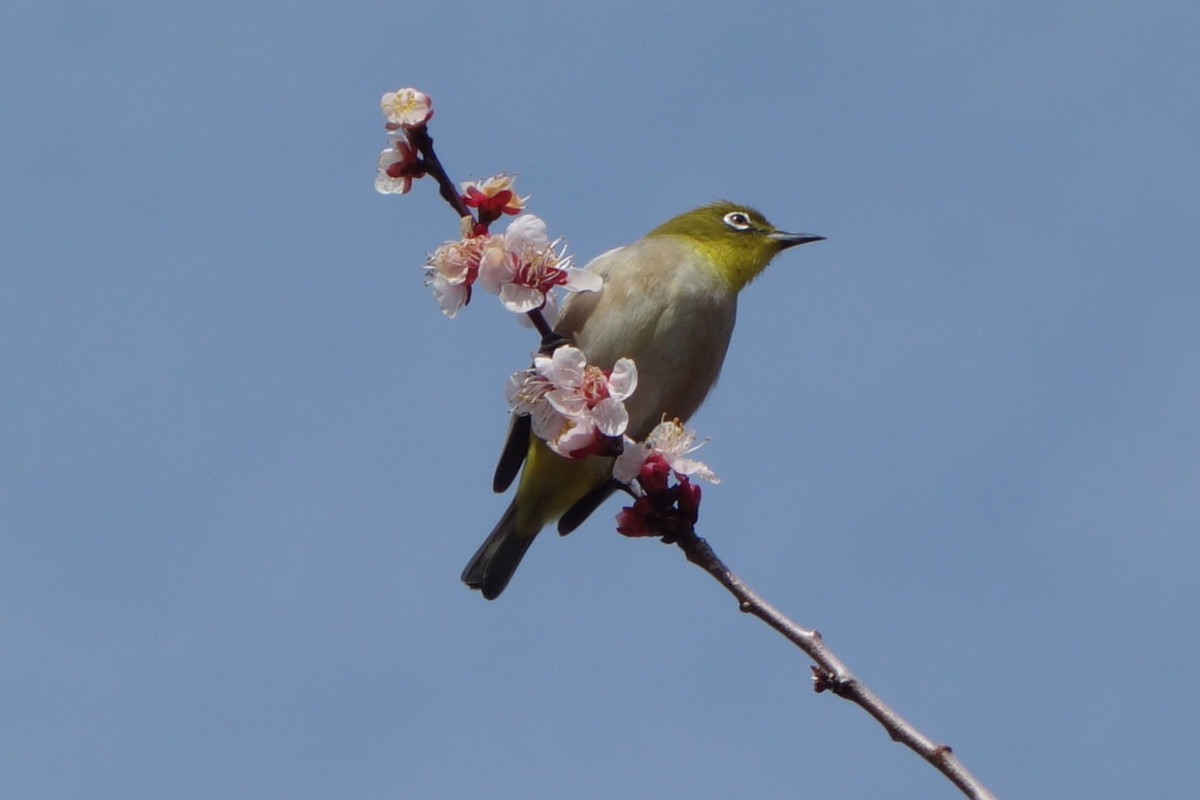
(738, 220)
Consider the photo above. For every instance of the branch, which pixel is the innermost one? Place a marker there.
(830, 673)
(420, 139)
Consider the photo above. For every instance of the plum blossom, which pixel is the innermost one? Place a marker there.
(451, 271)
(493, 197)
(673, 442)
(397, 167)
(522, 265)
(574, 406)
(406, 108)
(661, 509)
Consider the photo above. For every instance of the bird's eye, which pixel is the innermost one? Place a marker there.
(738, 220)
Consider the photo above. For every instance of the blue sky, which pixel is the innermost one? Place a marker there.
(247, 458)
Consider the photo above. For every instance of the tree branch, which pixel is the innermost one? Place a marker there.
(420, 139)
(830, 673)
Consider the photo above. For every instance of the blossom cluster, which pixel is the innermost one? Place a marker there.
(668, 503)
(521, 266)
(576, 408)
(399, 163)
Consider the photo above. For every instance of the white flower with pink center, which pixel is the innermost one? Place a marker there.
(573, 405)
(494, 197)
(406, 108)
(394, 167)
(674, 442)
(451, 271)
(522, 265)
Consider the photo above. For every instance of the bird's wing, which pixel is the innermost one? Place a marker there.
(516, 445)
(579, 305)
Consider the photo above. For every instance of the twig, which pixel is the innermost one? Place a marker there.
(420, 139)
(830, 673)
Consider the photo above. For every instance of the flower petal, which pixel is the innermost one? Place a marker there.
(564, 367)
(521, 299)
(568, 403)
(450, 296)
(629, 463)
(610, 416)
(386, 184)
(578, 436)
(583, 280)
(526, 230)
(690, 466)
(623, 380)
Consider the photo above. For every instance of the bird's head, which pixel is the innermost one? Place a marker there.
(737, 239)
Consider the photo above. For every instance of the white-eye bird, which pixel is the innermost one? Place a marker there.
(668, 302)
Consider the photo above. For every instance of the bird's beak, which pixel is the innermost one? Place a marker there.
(787, 240)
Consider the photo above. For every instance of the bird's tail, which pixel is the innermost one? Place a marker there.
(494, 563)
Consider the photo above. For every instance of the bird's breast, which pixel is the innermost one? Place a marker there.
(675, 323)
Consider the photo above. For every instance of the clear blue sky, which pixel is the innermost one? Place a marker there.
(245, 457)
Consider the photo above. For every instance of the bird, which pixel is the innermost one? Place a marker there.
(668, 301)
